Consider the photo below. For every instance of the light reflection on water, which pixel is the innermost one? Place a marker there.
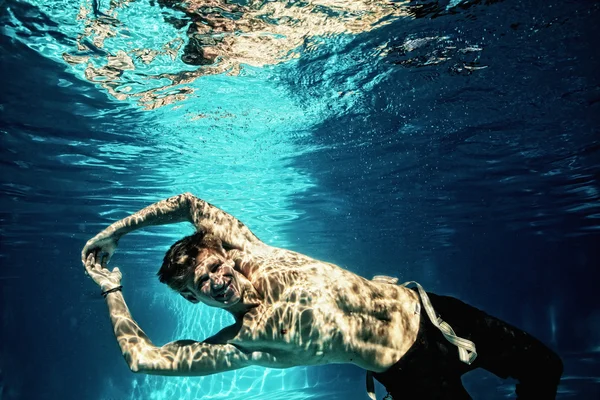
(152, 51)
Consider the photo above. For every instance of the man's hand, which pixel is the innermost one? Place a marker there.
(102, 247)
(103, 277)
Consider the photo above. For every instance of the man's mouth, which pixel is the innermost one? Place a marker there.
(224, 294)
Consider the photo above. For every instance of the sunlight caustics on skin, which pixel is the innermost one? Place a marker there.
(250, 382)
(237, 384)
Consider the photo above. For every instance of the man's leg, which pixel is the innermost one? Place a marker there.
(503, 349)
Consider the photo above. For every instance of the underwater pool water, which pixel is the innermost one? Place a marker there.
(454, 143)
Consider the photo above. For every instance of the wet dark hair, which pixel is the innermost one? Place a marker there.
(179, 261)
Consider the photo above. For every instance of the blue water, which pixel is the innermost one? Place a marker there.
(453, 143)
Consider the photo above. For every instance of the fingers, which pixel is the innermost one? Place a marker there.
(92, 265)
(102, 276)
(102, 245)
(87, 250)
(89, 263)
(84, 254)
(92, 254)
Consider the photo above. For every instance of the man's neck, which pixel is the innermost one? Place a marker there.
(249, 300)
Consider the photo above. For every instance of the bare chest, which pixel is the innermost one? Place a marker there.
(297, 331)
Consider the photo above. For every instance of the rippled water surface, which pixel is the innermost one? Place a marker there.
(455, 143)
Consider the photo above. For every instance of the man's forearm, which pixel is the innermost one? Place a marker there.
(172, 210)
(132, 340)
(187, 207)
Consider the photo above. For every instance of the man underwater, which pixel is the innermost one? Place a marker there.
(292, 310)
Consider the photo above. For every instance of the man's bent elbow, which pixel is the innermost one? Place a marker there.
(151, 366)
(187, 196)
(142, 368)
(136, 363)
(134, 366)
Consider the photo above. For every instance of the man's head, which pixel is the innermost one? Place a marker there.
(198, 268)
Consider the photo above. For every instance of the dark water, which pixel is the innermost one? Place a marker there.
(457, 145)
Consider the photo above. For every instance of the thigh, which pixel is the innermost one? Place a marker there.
(502, 349)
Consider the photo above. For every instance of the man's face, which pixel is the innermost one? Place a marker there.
(215, 282)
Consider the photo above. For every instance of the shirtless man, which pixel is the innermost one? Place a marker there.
(292, 310)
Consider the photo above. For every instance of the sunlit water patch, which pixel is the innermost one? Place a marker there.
(149, 51)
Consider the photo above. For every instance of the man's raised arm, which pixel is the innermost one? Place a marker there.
(184, 207)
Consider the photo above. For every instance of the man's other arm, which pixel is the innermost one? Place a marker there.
(180, 358)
